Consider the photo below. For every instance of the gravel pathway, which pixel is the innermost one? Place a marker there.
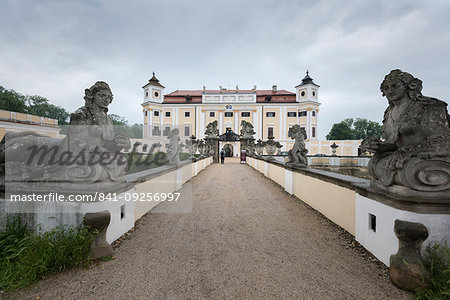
(245, 238)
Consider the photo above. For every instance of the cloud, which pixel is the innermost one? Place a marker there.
(58, 48)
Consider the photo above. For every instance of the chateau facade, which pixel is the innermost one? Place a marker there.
(272, 112)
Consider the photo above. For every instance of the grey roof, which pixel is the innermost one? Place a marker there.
(307, 80)
(154, 81)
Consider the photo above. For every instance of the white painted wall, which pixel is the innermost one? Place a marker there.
(383, 243)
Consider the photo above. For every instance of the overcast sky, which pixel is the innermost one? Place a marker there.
(58, 48)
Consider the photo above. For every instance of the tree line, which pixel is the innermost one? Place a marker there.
(359, 129)
(37, 105)
(34, 105)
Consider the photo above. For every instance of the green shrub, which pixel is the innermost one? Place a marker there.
(26, 257)
(437, 261)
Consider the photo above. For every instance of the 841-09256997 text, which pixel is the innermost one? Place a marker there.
(139, 197)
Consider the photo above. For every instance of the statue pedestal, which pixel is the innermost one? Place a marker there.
(407, 269)
(99, 221)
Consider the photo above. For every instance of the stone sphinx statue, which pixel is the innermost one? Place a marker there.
(90, 151)
(413, 159)
(297, 155)
(247, 131)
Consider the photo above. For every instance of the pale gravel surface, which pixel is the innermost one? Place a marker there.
(245, 238)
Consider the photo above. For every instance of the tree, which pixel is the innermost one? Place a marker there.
(40, 106)
(355, 130)
(12, 101)
(118, 120)
(121, 127)
(35, 105)
(341, 131)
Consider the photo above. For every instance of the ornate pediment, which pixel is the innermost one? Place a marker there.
(229, 136)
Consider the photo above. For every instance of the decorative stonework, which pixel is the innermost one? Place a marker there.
(271, 147)
(413, 159)
(174, 147)
(297, 155)
(212, 140)
(247, 131)
(211, 130)
(90, 138)
(202, 148)
(99, 221)
(259, 147)
(192, 145)
(407, 269)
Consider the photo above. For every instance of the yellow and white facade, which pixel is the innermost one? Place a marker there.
(272, 112)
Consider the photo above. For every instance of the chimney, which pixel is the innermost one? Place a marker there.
(274, 88)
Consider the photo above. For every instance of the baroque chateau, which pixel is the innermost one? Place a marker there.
(272, 112)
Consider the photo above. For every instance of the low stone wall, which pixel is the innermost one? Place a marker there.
(165, 179)
(351, 203)
(125, 210)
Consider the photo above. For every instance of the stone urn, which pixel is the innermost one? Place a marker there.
(333, 149)
(192, 145)
(259, 147)
(271, 147)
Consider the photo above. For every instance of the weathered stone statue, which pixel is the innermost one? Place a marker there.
(202, 148)
(212, 140)
(174, 147)
(247, 140)
(192, 145)
(90, 152)
(251, 147)
(247, 131)
(413, 160)
(211, 130)
(297, 155)
(91, 127)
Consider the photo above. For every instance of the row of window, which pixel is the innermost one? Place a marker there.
(187, 114)
(244, 114)
(291, 114)
(269, 114)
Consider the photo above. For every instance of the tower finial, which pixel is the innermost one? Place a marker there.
(307, 72)
(153, 73)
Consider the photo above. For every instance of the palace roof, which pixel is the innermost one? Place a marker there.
(195, 96)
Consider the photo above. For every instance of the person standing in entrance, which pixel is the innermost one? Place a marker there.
(222, 156)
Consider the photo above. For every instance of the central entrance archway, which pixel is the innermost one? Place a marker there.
(228, 148)
(229, 142)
